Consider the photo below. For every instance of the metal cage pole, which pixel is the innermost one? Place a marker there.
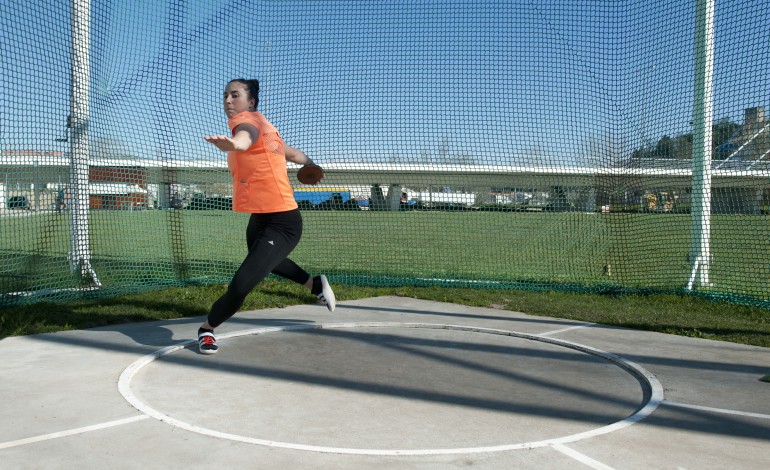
(700, 254)
(80, 249)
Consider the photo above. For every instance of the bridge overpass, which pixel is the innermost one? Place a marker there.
(747, 182)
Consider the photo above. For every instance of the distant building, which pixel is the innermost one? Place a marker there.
(117, 187)
(754, 135)
(754, 115)
(42, 178)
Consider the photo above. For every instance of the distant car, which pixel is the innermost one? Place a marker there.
(18, 202)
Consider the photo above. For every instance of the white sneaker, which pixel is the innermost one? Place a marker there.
(327, 294)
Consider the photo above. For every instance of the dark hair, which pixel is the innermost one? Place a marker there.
(251, 85)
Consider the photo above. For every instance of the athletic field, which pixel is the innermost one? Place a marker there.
(491, 249)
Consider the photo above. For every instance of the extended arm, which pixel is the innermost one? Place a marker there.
(245, 136)
(296, 156)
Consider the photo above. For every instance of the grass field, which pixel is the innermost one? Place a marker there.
(582, 251)
(665, 313)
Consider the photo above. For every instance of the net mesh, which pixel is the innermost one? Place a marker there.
(496, 144)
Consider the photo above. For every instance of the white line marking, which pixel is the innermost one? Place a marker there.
(71, 432)
(716, 410)
(656, 392)
(588, 461)
(577, 327)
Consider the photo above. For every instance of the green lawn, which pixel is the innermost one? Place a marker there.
(583, 251)
(672, 314)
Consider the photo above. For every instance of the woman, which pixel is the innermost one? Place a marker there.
(257, 160)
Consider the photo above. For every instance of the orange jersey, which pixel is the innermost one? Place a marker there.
(260, 182)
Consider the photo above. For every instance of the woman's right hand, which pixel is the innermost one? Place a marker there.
(244, 136)
(222, 142)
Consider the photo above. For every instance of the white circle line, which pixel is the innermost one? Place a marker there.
(654, 399)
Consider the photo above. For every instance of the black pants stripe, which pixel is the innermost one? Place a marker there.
(270, 238)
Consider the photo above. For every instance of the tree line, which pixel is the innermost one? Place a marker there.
(680, 147)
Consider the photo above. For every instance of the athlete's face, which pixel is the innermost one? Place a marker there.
(237, 100)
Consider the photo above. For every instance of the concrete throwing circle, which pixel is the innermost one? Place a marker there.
(652, 391)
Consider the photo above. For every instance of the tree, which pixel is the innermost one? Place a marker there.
(665, 146)
(680, 147)
(721, 132)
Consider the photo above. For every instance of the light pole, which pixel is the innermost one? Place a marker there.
(645, 102)
(80, 246)
(267, 73)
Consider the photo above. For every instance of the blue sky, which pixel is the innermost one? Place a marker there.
(505, 82)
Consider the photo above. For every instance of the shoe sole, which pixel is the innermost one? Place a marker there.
(331, 300)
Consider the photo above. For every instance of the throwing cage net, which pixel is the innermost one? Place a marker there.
(587, 146)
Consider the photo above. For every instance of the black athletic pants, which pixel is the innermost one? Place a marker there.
(270, 238)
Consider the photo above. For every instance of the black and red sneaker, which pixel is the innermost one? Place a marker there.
(207, 343)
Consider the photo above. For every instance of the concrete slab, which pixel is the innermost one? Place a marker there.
(388, 383)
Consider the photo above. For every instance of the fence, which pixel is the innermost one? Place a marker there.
(588, 146)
